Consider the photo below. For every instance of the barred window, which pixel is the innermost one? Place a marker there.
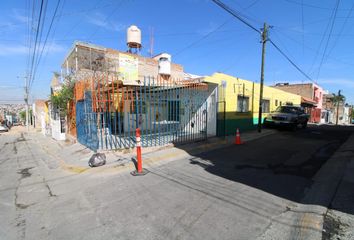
(265, 106)
(242, 103)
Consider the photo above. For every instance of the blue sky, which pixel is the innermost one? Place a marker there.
(199, 34)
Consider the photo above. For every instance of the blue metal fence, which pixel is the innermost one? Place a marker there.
(166, 111)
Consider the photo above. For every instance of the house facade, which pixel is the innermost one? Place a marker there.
(312, 97)
(117, 92)
(238, 102)
(40, 115)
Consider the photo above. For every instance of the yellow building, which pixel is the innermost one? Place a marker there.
(238, 102)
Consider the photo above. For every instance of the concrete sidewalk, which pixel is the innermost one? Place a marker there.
(339, 218)
(74, 157)
(332, 188)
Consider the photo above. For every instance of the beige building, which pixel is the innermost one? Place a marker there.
(84, 59)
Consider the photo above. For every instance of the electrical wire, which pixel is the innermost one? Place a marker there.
(202, 38)
(328, 38)
(107, 18)
(235, 14)
(322, 39)
(292, 63)
(229, 10)
(314, 6)
(80, 20)
(252, 4)
(312, 49)
(36, 42)
(47, 35)
(302, 26)
(341, 30)
(40, 30)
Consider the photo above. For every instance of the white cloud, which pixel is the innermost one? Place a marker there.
(7, 49)
(100, 20)
(18, 16)
(339, 82)
(20, 49)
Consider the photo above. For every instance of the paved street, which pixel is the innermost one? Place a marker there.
(258, 190)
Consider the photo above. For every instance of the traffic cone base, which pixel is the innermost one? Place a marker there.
(142, 173)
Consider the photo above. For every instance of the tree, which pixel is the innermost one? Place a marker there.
(23, 115)
(337, 100)
(60, 99)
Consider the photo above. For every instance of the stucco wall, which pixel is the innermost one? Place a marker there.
(231, 87)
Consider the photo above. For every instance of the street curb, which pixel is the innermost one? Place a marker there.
(322, 192)
(148, 160)
(72, 168)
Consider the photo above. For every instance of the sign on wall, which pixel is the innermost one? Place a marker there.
(128, 68)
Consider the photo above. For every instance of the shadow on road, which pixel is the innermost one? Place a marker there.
(281, 164)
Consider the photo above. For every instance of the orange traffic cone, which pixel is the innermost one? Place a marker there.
(238, 138)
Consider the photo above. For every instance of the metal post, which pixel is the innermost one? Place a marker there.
(264, 40)
(338, 100)
(26, 102)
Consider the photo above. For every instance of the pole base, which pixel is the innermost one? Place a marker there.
(142, 173)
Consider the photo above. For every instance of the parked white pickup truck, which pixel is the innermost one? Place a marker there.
(291, 116)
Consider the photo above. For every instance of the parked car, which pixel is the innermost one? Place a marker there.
(3, 128)
(290, 116)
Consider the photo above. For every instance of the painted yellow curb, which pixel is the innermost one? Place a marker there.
(72, 168)
(146, 161)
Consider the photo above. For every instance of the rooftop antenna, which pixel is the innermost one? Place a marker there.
(151, 42)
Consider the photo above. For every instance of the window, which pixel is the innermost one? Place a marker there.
(265, 106)
(242, 103)
(276, 102)
(280, 103)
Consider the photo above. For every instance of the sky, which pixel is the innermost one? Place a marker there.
(316, 35)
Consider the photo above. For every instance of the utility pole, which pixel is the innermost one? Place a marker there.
(26, 102)
(338, 100)
(264, 40)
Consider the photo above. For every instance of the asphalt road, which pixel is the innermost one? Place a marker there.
(237, 192)
(282, 164)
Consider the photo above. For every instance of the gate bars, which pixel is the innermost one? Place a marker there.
(166, 111)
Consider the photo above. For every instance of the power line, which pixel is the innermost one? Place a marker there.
(232, 12)
(80, 20)
(236, 15)
(315, 6)
(202, 38)
(291, 62)
(314, 50)
(302, 26)
(36, 42)
(54, 32)
(252, 4)
(108, 17)
(329, 37)
(46, 39)
(322, 39)
(341, 30)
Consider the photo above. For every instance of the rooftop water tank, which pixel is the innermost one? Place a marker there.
(133, 37)
(164, 63)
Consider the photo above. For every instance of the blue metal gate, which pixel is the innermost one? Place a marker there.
(86, 123)
(166, 111)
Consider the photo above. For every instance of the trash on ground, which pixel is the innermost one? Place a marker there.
(97, 159)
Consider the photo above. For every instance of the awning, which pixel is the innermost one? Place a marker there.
(308, 101)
